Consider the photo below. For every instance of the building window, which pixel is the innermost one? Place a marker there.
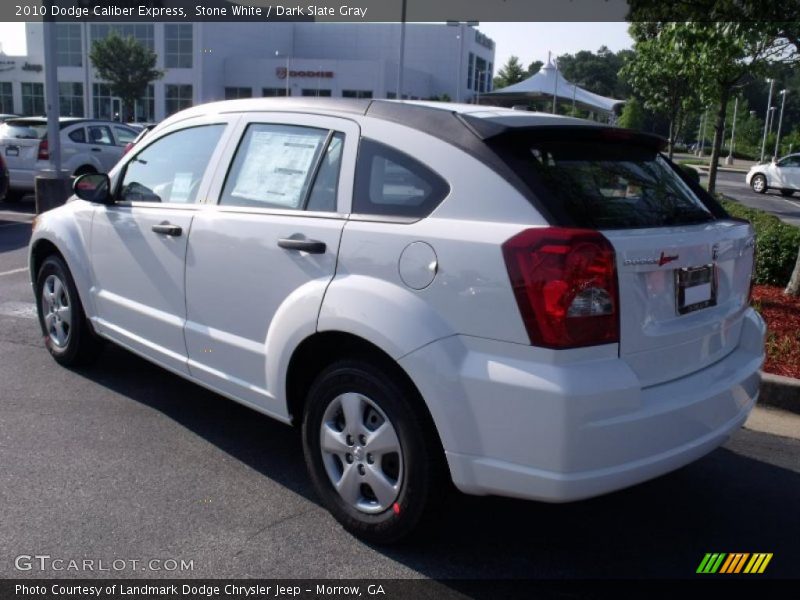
(6, 98)
(274, 92)
(101, 101)
(470, 70)
(391, 95)
(481, 73)
(32, 99)
(69, 52)
(490, 77)
(316, 92)
(178, 46)
(70, 99)
(145, 107)
(178, 97)
(356, 94)
(142, 32)
(232, 93)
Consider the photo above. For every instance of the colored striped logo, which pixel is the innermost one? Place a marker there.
(737, 562)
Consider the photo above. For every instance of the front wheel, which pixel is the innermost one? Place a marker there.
(759, 184)
(371, 455)
(67, 334)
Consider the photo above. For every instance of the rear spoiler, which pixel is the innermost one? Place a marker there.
(540, 129)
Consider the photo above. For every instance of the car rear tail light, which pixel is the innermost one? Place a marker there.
(128, 147)
(44, 151)
(565, 283)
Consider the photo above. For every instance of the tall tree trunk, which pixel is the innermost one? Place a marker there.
(793, 289)
(718, 126)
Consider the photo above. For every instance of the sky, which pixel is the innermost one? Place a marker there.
(528, 41)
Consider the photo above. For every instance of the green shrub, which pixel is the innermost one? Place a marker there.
(693, 174)
(777, 243)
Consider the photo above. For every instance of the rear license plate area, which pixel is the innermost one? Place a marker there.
(695, 288)
(12, 150)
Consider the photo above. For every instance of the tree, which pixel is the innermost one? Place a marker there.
(632, 115)
(511, 73)
(595, 71)
(658, 76)
(127, 66)
(534, 67)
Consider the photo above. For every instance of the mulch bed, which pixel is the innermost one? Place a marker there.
(782, 314)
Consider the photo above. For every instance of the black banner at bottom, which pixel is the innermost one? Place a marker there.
(377, 589)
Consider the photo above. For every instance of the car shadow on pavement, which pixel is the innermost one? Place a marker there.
(726, 502)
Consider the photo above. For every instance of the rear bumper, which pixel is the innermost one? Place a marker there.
(574, 428)
(22, 179)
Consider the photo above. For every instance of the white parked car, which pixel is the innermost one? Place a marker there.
(525, 304)
(87, 146)
(782, 175)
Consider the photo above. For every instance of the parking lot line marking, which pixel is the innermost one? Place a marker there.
(12, 271)
(15, 223)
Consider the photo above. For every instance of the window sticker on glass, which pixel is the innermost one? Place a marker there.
(276, 166)
(181, 187)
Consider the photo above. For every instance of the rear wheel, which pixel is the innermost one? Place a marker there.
(13, 196)
(787, 192)
(67, 334)
(372, 458)
(759, 184)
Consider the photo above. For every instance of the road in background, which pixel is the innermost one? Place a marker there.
(733, 185)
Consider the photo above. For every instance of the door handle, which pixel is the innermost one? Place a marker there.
(310, 246)
(167, 229)
(97, 150)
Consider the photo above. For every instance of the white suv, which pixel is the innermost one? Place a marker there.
(524, 304)
(87, 146)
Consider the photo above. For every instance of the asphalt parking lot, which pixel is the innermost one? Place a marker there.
(126, 461)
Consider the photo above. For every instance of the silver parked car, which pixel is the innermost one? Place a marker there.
(87, 146)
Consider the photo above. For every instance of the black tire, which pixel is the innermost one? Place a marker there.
(759, 184)
(787, 192)
(424, 475)
(13, 196)
(81, 344)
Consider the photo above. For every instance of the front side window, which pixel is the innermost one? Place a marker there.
(124, 135)
(274, 166)
(100, 134)
(171, 168)
(391, 183)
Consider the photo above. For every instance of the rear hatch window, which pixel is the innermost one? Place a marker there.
(21, 130)
(602, 184)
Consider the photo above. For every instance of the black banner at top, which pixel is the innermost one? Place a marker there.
(397, 10)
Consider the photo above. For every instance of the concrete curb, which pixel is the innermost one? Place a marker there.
(705, 169)
(780, 392)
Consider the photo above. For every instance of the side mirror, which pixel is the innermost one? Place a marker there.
(93, 187)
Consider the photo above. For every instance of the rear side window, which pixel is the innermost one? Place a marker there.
(78, 135)
(391, 183)
(605, 184)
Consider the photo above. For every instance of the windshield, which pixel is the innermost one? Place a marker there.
(607, 185)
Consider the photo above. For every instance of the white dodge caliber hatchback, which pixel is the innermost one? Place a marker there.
(523, 304)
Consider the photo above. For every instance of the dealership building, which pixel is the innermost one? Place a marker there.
(203, 62)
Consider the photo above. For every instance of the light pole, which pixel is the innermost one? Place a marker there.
(766, 119)
(401, 64)
(278, 55)
(780, 122)
(772, 110)
(729, 160)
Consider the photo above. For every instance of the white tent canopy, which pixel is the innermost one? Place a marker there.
(548, 82)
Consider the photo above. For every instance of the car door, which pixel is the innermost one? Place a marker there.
(103, 146)
(260, 259)
(789, 169)
(138, 244)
